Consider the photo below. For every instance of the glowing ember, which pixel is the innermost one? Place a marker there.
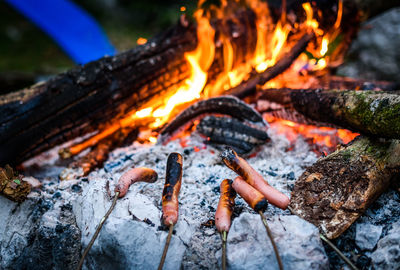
(141, 41)
(324, 139)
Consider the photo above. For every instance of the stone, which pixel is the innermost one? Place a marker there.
(367, 235)
(374, 54)
(387, 254)
(297, 240)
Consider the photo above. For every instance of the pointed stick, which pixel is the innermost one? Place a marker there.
(134, 175)
(278, 258)
(114, 202)
(164, 255)
(223, 237)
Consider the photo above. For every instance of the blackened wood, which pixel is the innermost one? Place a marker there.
(248, 87)
(80, 100)
(375, 113)
(223, 130)
(87, 98)
(338, 188)
(226, 105)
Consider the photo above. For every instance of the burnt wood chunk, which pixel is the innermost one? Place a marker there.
(375, 113)
(12, 186)
(242, 137)
(225, 105)
(338, 188)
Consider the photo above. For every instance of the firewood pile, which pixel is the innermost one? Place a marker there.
(95, 130)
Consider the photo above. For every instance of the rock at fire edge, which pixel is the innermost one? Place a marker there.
(298, 243)
(387, 255)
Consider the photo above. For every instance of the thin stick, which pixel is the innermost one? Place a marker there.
(171, 229)
(326, 240)
(341, 255)
(96, 233)
(278, 258)
(223, 237)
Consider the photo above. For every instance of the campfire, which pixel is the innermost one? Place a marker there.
(239, 80)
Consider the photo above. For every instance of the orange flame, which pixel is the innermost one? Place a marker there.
(272, 40)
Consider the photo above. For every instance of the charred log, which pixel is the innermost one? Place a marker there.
(375, 113)
(243, 138)
(338, 188)
(226, 105)
(86, 98)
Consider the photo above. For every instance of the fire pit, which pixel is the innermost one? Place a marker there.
(249, 76)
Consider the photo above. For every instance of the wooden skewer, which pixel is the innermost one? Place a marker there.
(171, 229)
(114, 202)
(223, 237)
(271, 238)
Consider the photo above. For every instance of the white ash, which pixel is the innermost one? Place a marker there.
(203, 172)
(131, 238)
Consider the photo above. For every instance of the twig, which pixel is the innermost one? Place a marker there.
(341, 255)
(114, 202)
(223, 237)
(278, 258)
(171, 228)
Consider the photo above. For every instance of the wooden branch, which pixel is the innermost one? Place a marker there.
(248, 87)
(338, 188)
(375, 113)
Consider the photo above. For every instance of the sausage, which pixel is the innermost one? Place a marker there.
(252, 177)
(141, 174)
(225, 206)
(173, 179)
(253, 197)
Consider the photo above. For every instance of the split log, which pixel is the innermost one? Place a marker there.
(338, 188)
(374, 113)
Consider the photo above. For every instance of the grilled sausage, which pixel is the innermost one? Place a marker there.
(225, 206)
(252, 177)
(141, 174)
(253, 197)
(171, 190)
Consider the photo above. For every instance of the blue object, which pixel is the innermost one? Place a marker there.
(75, 31)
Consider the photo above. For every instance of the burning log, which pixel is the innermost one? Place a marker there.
(338, 188)
(375, 113)
(249, 87)
(83, 99)
(12, 186)
(243, 138)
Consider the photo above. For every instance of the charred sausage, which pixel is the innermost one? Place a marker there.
(225, 206)
(173, 179)
(134, 175)
(252, 177)
(253, 197)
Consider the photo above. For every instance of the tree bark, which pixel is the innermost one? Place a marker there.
(374, 113)
(337, 189)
